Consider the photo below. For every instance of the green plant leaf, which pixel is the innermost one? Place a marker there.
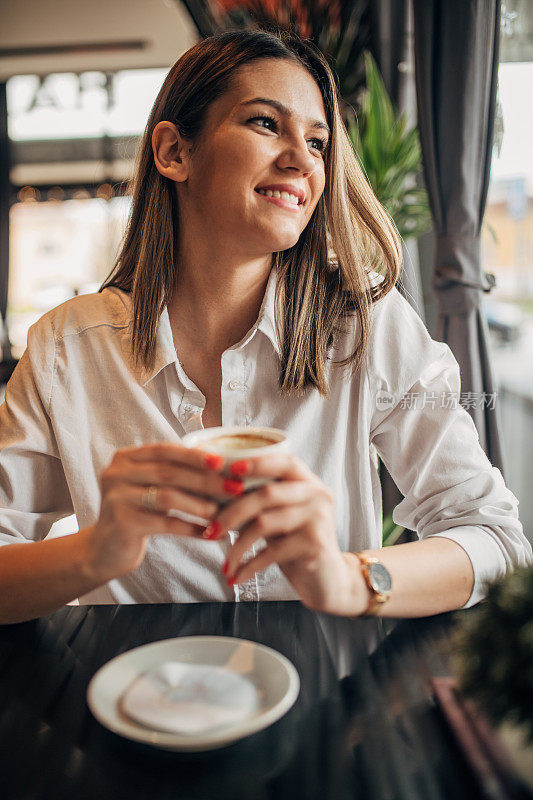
(494, 651)
(390, 156)
(391, 532)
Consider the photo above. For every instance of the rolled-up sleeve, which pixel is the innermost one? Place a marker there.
(33, 489)
(431, 448)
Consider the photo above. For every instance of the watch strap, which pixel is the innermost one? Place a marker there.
(377, 599)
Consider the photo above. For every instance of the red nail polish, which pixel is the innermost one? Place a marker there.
(233, 487)
(213, 461)
(231, 581)
(213, 531)
(239, 467)
(225, 568)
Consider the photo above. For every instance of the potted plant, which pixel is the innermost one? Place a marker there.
(390, 155)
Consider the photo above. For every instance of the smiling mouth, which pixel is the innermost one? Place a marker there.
(281, 199)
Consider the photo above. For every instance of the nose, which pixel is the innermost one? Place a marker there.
(295, 155)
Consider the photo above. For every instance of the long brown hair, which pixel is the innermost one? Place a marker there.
(310, 286)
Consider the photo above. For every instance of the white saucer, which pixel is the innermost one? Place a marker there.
(275, 678)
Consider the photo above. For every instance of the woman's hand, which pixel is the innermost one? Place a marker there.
(295, 516)
(178, 475)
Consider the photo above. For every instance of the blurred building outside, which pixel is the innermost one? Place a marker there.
(508, 252)
(62, 245)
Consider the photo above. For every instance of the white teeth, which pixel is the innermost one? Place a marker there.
(291, 198)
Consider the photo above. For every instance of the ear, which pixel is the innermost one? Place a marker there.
(171, 151)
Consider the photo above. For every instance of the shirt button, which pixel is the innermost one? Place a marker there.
(187, 411)
(235, 385)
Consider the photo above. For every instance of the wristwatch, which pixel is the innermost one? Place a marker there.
(378, 580)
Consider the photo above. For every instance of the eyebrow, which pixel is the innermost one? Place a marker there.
(282, 109)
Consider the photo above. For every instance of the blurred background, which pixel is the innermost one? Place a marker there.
(77, 81)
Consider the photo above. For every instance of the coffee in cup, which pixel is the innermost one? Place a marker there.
(236, 443)
(228, 443)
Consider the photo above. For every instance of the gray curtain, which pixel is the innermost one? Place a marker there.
(391, 34)
(456, 59)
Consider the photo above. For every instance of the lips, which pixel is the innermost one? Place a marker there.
(285, 187)
(281, 200)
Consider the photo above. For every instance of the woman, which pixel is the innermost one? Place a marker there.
(224, 309)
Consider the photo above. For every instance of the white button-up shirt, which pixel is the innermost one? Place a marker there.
(76, 397)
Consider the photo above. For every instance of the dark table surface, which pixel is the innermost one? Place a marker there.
(365, 724)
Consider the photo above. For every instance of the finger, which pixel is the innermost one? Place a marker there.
(240, 512)
(168, 451)
(280, 523)
(165, 473)
(279, 551)
(167, 500)
(274, 465)
(142, 522)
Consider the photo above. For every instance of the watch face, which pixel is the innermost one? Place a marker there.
(379, 578)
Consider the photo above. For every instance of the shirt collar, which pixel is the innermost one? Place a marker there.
(165, 352)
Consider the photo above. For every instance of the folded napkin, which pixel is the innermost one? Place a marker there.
(189, 698)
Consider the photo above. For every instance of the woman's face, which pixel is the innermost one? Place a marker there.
(267, 134)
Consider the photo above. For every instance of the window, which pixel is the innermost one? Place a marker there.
(59, 249)
(67, 106)
(508, 252)
(73, 139)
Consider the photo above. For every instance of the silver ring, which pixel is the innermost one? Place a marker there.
(148, 499)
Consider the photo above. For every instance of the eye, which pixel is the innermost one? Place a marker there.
(271, 123)
(266, 118)
(320, 144)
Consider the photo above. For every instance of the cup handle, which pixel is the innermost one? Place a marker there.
(186, 517)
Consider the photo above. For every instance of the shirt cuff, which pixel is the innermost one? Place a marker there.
(488, 562)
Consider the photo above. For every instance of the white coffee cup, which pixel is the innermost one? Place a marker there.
(236, 443)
